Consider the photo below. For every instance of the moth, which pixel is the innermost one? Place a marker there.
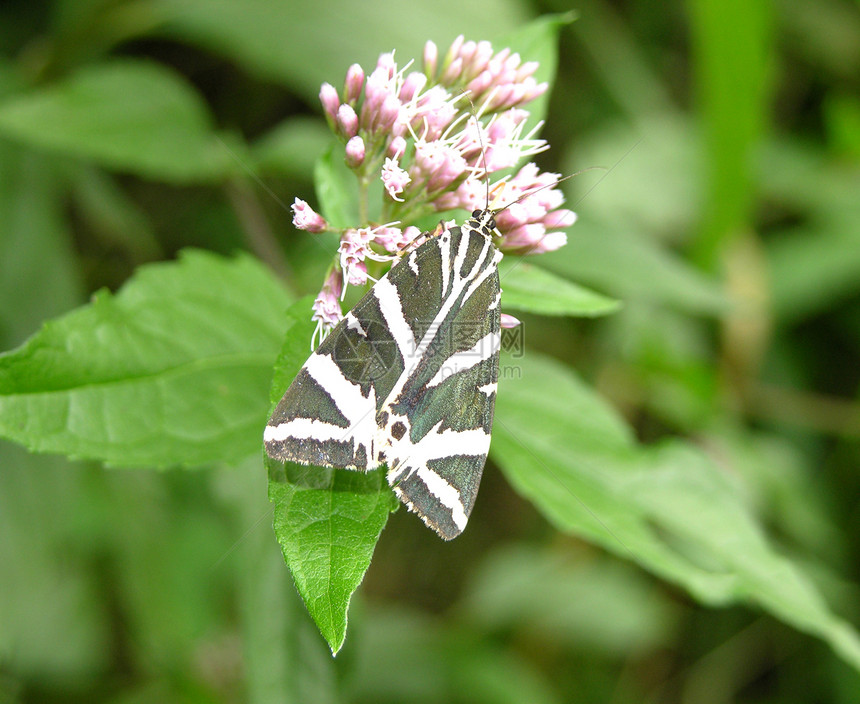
(408, 379)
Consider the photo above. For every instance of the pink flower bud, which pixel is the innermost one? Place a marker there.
(470, 194)
(447, 201)
(549, 199)
(512, 62)
(482, 58)
(523, 238)
(502, 127)
(526, 70)
(501, 57)
(428, 156)
(500, 156)
(396, 148)
(347, 120)
(435, 111)
(550, 242)
(330, 100)
(412, 86)
(431, 59)
(353, 84)
(389, 113)
(355, 152)
(514, 216)
(532, 90)
(560, 218)
(501, 97)
(400, 126)
(509, 321)
(467, 52)
(410, 234)
(454, 49)
(452, 72)
(376, 90)
(387, 64)
(478, 85)
(452, 167)
(305, 218)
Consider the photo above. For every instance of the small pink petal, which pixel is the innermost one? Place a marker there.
(357, 274)
(394, 178)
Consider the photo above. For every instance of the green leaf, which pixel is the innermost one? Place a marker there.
(842, 113)
(732, 45)
(529, 288)
(634, 268)
(564, 599)
(813, 258)
(668, 508)
(571, 412)
(327, 521)
(284, 658)
(296, 348)
(127, 115)
(172, 370)
(538, 41)
(49, 601)
(35, 245)
(304, 44)
(816, 265)
(669, 354)
(336, 188)
(627, 214)
(626, 193)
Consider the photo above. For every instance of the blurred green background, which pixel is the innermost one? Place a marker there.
(728, 223)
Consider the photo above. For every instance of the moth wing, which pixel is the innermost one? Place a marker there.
(327, 417)
(438, 420)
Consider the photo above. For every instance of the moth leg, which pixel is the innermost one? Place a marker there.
(423, 237)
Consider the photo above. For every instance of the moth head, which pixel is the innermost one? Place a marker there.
(484, 219)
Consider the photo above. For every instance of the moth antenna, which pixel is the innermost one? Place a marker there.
(549, 185)
(483, 153)
(487, 174)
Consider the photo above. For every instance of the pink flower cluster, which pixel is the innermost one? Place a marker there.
(415, 131)
(500, 78)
